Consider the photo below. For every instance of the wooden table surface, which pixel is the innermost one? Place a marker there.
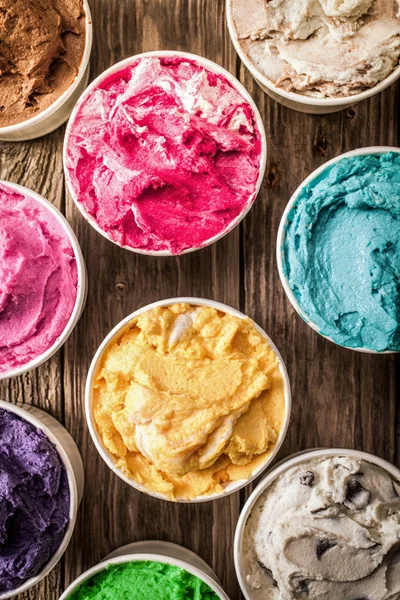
(340, 398)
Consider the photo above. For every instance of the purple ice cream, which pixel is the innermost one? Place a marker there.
(34, 500)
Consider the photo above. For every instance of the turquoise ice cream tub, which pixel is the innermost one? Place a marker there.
(338, 250)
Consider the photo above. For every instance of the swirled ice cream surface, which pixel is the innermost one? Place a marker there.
(38, 279)
(143, 580)
(188, 399)
(342, 252)
(164, 154)
(322, 48)
(42, 45)
(328, 529)
(34, 501)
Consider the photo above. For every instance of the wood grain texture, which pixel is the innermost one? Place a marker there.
(341, 398)
(38, 165)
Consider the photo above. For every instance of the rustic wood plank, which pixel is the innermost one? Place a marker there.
(38, 165)
(340, 397)
(113, 514)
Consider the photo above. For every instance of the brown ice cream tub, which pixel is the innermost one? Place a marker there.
(40, 86)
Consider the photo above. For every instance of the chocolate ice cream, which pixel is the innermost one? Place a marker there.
(41, 49)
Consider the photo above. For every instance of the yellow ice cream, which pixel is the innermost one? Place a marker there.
(187, 399)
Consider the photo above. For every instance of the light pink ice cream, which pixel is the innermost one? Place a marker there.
(164, 154)
(38, 279)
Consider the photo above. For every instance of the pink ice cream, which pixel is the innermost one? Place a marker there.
(38, 279)
(164, 154)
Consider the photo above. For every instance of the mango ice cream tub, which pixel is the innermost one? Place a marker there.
(187, 400)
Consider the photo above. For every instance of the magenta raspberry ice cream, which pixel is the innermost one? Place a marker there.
(163, 154)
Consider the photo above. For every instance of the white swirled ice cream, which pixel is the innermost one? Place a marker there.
(328, 528)
(321, 48)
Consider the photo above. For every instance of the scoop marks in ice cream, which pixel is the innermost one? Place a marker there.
(34, 501)
(187, 399)
(327, 528)
(42, 44)
(322, 48)
(164, 154)
(342, 251)
(143, 580)
(38, 279)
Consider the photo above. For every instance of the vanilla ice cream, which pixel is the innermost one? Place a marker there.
(321, 48)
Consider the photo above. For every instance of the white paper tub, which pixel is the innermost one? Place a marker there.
(209, 65)
(280, 255)
(71, 458)
(233, 486)
(156, 551)
(81, 292)
(57, 113)
(293, 100)
(284, 465)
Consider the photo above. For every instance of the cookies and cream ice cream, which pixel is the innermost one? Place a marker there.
(187, 399)
(329, 529)
(41, 49)
(163, 154)
(143, 580)
(342, 251)
(34, 501)
(322, 48)
(38, 279)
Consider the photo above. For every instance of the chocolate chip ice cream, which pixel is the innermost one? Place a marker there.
(328, 529)
(41, 48)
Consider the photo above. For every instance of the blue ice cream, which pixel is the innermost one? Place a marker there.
(342, 252)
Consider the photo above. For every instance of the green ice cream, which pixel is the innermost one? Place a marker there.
(342, 252)
(143, 580)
